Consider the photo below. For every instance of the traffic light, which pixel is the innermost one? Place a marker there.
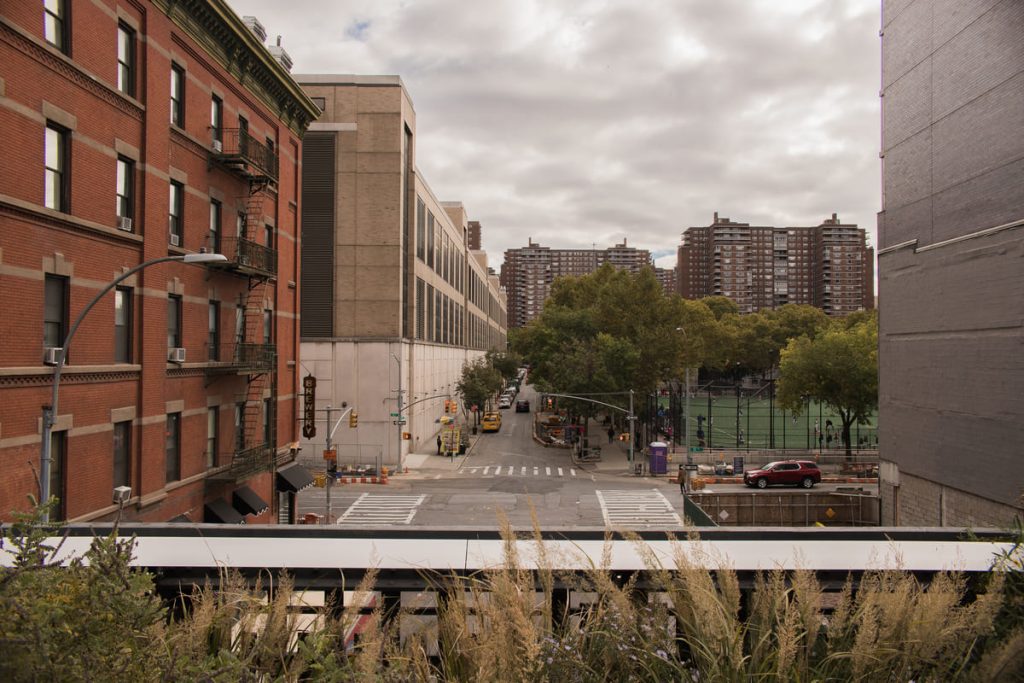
(353, 420)
(551, 403)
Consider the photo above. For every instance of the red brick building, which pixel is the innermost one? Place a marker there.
(135, 130)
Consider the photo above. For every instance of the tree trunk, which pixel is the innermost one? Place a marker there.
(847, 423)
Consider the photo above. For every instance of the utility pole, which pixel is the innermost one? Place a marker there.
(332, 467)
(400, 420)
(631, 418)
(686, 418)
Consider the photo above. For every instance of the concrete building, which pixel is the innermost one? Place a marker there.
(394, 300)
(762, 267)
(667, 279)
(137, 131)
(528, 272)
(951, 273)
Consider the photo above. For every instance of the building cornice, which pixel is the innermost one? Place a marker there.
(220, 32)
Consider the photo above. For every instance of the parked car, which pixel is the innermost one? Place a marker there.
(504, 401)
(522, 406)
(794, 472)
(491, 422)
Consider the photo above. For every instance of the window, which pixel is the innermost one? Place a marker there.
(268, 236)
(58, 478)
(239, 324)
(125, 191)
(243, 135)
(421, 220)
(217, 119)
(55, 311)
(212, 439)
(239, 431)
(419, 308)
(125, 59)
(175, 211)
(122, 453)
(172, 448)
(213, 329)
(430, 239)
(177, 96)
(240, 225)
(215, 232)
(123, 325)
(268, 326)
(56, 176)
(268, 421)
(173, 321)
(55, 24)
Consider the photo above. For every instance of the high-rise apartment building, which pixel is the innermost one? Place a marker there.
(135, 132)
(762, 267)
(528, 272)
(394, 299)
(951, 272)
(667, 279)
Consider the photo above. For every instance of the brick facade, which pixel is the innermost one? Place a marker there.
(85, 242)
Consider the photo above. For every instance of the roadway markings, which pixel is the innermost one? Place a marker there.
(510, 471)
(637, 508)
(374, 508)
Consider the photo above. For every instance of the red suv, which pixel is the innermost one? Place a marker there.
(796, 472)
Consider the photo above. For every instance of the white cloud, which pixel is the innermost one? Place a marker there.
(581, 122)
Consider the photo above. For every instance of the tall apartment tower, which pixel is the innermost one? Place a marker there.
(528, 272)
(473, 236)
(394, 298)
(951, 276)
(135, 132)
(762, 267)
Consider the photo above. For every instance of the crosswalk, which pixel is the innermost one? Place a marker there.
(372, 508)
(637, 508)
(519, 471)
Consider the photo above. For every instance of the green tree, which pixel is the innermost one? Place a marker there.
(479, 381)
(839, 368)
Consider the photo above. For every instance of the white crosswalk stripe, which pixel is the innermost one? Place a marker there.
(372, 508)
(517, 471)
(637, 508)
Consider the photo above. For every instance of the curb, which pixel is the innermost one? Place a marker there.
(361, 480)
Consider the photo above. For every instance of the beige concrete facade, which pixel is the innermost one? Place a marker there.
(411, 303)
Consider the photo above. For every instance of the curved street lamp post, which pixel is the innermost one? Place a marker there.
(50, 411)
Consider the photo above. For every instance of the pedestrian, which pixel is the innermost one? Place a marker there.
(611, 434)
(439, 444)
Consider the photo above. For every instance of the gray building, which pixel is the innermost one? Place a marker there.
(951, 263)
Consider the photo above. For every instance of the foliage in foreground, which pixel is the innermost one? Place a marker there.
(99, 620)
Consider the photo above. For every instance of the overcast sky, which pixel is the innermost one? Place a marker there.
(583, 122)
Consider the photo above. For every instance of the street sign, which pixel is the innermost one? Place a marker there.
(696, 449)
(309, 406)
(330, 454)
(395, 414)
(400, 421)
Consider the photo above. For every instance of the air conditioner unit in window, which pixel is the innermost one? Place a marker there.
(124, 223)
(175, 240)
(176, 355)
(51, 355)
(218, 146)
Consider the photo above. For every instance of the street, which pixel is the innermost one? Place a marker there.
(508, 475)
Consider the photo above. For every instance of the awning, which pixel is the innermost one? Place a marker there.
(294, 478)
(248, 502)
(219, 512)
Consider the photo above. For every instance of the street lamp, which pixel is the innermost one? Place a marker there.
(686, 410)
(50, 411)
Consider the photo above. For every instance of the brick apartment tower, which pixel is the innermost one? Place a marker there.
(760, 267)
(135, 131)
(528, 272)
(951, 272)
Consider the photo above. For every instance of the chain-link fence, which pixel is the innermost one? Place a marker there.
(747, 416)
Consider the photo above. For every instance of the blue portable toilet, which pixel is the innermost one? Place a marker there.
(658, 459)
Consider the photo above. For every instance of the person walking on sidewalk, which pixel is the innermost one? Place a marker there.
(611, 434)
(439, 444)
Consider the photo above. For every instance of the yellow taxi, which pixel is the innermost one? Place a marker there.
(491, 422)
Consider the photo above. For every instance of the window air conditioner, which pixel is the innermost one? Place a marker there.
(175, 240)
(218, 146)
(124, 223)
(176, 355)
(51, 355)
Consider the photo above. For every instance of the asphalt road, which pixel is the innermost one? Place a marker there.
(508, 476)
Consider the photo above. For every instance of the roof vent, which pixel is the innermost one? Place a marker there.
(282, 57)
(254, 25)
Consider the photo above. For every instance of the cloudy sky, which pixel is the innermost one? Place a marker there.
(583, 122)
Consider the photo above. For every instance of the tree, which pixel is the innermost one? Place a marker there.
(838, 367)
(479, 381)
